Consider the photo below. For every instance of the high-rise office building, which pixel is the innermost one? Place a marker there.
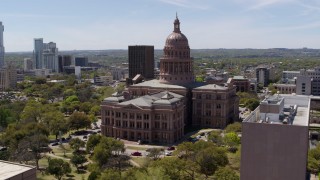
(37, 53)
(262, 75)
(81, 61)
(64, 60)
(50, 56)
(45, 55)
(8, 77)
(141, 61)
(1, 46)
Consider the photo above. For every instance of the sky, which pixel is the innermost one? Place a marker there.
(115, 24)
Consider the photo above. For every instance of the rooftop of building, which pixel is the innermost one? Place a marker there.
(162, 98)
(290, 71)
(239, 78)
(10, 169)
(272, 100)
(211, 87)
(156, 84)
(296, 108)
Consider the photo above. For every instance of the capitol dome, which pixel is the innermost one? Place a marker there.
(176, 38)
(176, 63)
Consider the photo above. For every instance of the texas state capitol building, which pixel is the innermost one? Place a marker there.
(156, 111)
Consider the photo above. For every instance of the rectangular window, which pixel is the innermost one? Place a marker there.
(164, 117)
(139, 125)
(208, 113)
(139, 116)
(124, 115)
(131, 124)
(131, 116)
(125, 123)
(156, 125)
(164, 125)
(208, 96)
(146, 116)
(146, 125)
(157, 116)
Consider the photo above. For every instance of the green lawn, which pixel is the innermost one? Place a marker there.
(142, 161)
(72, 176)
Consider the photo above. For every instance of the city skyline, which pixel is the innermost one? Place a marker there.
(97, 25)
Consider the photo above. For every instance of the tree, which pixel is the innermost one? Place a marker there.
(95, 110)
(5, 117)
(85, 107)
(68, 92)
(155, 153)
(26, 142)
(110, 174)
(215, 137)
(252, 104)
(225, 173)
(107, 148)
(56, 122)
(231, 139)
(314, 160)
(76, 144)
(78, 159)
(101, 155)
(93, 141)
(32, 112)
(78, 120)
(210, 159)
(40, 80)
(234, 127)
(58, 168)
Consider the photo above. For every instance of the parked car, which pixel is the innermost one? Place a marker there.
(171, 148)
(202, 134)
(136, 153)
(85, 137)
(55, 144)
(168, 153)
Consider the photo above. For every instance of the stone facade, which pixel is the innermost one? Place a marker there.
(156, 118)
(214, 106)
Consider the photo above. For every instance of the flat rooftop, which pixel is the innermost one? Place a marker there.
(301, 117)
(10, 169)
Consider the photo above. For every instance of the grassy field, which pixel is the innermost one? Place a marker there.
(142, 161)
(72, 176)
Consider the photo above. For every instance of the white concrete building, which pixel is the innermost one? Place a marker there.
(27, 64)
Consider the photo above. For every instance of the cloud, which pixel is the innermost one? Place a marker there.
(186, 4)
(261, 4)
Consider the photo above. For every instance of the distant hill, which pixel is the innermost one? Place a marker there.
(197, 53)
